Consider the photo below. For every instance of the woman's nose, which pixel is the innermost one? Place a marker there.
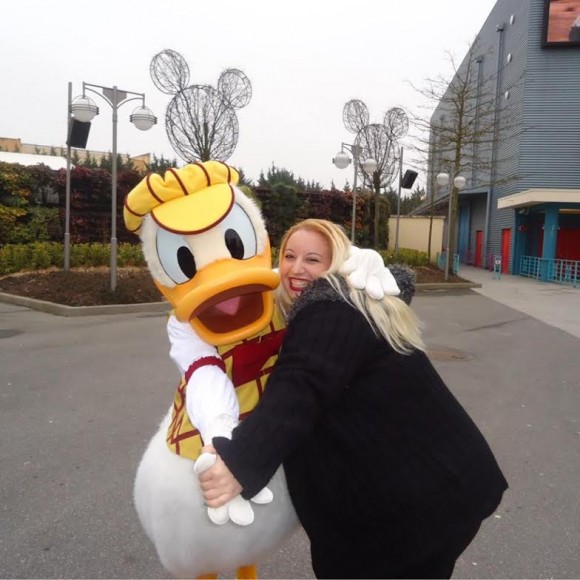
(297, 266)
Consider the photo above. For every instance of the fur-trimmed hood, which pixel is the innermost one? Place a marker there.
(405, 278)
(321, 289)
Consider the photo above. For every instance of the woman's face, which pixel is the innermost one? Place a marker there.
(307, 256)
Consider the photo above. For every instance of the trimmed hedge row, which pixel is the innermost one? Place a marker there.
(42, 255)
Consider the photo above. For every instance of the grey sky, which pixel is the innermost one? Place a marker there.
(305, 60)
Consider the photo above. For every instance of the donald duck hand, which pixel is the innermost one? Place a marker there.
(222, 490)
(366, 270)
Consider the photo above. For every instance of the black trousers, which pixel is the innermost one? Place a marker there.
(357, 562)
(442, 562)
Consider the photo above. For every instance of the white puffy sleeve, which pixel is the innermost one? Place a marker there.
(211, 401)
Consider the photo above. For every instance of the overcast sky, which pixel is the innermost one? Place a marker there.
(305, 60)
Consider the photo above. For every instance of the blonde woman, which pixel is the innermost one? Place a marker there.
(389, 476)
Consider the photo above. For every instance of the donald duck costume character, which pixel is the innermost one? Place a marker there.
(208, 251)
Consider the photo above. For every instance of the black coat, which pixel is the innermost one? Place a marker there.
(383, 464)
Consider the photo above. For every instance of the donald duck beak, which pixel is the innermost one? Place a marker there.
(228, 300)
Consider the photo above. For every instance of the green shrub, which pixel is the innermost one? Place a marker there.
(405, 256)
(130, 255)
(42, 255)
(9, 227)
(275, 252)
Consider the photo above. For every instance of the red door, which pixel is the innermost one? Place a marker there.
(568, 245)
(506, 236)
(478, 247)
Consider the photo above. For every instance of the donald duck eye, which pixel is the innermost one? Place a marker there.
(175, 256)
(239, 234)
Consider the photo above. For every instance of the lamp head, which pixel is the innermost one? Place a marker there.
(341, 160)
(84, 109)
(459, 182)
(442, 179)
(369, 166)
(143, 118)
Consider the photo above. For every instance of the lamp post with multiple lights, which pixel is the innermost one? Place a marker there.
(369, 166)
(84, 110)
(459, 182)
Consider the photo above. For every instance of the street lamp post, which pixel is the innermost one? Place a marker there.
(67, 185)
(342, 160)
(399, 201)
(405, 182)
(458, 183)
(84, 109)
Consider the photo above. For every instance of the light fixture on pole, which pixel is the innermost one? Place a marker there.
(84, 109)
(405, 182)
(342, 160)
(458, 183)
(67, 184)
(399, 201)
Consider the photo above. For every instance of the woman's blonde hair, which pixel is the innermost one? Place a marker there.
(390, 317)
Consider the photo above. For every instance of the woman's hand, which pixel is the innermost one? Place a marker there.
(218, 485)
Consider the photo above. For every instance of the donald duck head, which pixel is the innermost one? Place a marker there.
(207, 249)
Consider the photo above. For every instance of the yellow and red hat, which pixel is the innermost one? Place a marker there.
(189, 200)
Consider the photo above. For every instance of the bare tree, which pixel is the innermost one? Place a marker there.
(378, 142)
(201, 120)
(461, 135)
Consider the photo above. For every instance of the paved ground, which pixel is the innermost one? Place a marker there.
(554, 304)
(80, 397)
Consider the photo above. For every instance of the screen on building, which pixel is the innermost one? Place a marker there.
(561, 23)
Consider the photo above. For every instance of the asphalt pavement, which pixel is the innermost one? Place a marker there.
(81, 396)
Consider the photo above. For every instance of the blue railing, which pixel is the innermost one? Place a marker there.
(441, 262)
(558, 271)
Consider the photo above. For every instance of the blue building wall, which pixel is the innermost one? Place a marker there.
(538, 125)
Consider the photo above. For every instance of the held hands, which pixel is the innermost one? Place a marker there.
(221, 491)
(366, 270)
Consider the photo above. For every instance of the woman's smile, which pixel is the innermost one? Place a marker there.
(297, 284)
(306, 256)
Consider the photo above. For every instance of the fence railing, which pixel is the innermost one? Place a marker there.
(441, 262)
(558, 271)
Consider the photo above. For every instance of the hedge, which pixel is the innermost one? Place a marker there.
(42, 255)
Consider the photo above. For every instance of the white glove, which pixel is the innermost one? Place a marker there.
(366, 270)
(238, 509)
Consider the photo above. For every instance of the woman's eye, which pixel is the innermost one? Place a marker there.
(239, 234)
(175, 256)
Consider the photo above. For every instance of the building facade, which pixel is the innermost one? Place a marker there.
(520, 209)
(15, 145)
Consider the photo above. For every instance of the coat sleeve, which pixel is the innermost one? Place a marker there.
(327, 343)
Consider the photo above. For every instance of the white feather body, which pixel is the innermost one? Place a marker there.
(171, 509)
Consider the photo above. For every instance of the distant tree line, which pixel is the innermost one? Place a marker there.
(32, 203)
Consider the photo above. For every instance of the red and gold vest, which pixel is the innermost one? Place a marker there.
(248, 365)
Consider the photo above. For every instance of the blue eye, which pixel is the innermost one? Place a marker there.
(239, 234)
(175, 256)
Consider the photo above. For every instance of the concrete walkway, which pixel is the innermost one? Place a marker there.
(555, 304)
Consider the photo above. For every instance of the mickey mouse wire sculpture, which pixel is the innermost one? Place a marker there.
(201, 120)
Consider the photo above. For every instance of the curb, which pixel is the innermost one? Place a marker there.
(158, 307)
(447, 286)
(62, 310)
